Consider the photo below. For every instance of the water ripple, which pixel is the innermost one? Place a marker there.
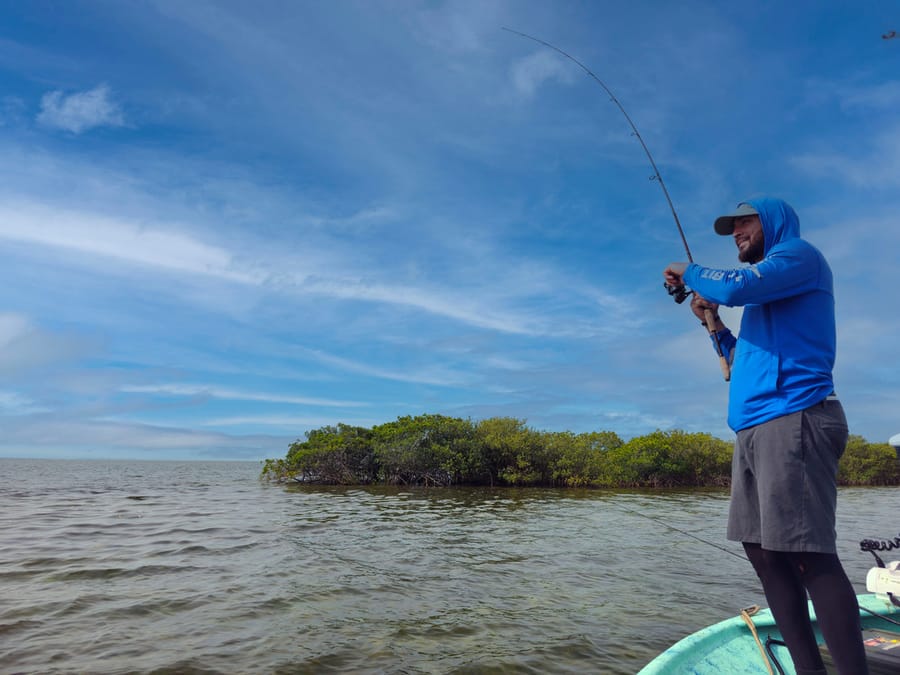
(139, 567)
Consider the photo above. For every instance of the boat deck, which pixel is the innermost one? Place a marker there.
(729, 647)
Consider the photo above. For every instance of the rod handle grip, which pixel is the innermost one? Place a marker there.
(726, 369)
(711, 327)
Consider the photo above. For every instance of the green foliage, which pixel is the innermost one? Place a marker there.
(865, 463)
(439, 450)
(515, 454)
(585, 460)
(424, 450)
(277, 470)
(340, 455)
(498, 438)
(670, 459)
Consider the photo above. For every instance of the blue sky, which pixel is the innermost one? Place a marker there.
(225, 223)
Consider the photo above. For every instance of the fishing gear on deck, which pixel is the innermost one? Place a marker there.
(771, 652)
(678, 293)
(872, 545)
(884, 579)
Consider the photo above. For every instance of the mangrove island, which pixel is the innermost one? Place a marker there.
(435, 450)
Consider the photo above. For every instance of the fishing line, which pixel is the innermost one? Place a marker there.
(656, 175)
(684, 532)
(679, 293)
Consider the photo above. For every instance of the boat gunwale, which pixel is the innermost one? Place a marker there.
(688, 654)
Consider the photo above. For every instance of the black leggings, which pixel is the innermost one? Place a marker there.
(786, 577)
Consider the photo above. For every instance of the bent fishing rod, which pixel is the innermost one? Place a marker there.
(678, 293)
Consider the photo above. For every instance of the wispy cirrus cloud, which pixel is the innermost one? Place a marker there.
(13, 403)
(118, 238)
(25, 346)
(80, 111)
(12, 327)
(57, 436)
(456, 221)
(853, 95)
(884, 95)
(170, 248)
(439, 374)
(875, 164)
(282, 421)
(235, 394)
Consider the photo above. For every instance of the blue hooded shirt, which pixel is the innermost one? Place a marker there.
(784, 354)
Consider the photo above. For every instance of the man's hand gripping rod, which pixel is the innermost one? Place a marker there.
(679, 293)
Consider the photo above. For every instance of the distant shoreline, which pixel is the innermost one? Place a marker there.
(435, 450)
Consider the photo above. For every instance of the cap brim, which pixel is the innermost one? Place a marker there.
(725, 224)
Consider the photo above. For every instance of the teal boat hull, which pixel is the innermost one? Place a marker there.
(729, 647)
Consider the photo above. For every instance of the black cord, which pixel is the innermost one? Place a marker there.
(880, 616)
(769, 642)
(872, 545)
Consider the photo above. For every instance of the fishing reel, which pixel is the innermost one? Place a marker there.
(679, 293)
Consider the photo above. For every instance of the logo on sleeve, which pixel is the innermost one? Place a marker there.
(712, 275)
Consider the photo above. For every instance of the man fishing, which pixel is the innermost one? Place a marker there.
(790, 426)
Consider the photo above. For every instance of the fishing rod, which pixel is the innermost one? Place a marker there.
(678, 293)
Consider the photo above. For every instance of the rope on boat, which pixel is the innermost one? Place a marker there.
(746, 614)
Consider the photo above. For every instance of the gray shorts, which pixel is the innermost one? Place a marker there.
(784, 480)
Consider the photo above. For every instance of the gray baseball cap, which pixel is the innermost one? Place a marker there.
(725, 224)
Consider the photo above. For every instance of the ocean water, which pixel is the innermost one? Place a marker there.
(198, 567)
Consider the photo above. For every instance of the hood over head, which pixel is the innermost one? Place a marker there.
(778, 218)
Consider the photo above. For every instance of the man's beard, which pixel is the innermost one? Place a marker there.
(753, 253)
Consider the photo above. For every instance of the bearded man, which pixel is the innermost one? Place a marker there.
(790, 426)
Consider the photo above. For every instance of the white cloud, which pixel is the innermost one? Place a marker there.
(117, 238)
(877, 166)
(54, 436)
(24, 346)
(165, 247)
(457, 27)
(16, 404)
(532, 71)
(12, 327)
(884, 95)
(80, 111)
(450, 306)
(233, 394)
(436, 375)
(287, 421)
